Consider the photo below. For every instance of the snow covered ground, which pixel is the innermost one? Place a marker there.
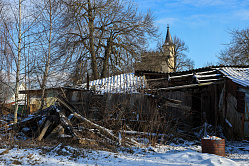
(187, 153)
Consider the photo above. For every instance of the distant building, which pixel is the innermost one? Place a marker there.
(7, 93)
(160, 61)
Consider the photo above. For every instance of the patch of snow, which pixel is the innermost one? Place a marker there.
(159, 155)
(185, 153)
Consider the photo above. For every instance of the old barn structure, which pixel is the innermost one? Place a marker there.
(217, 95)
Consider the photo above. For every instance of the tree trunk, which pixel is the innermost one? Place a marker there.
(106, 59)
(91, 42)
(18, 63)
(49, 55)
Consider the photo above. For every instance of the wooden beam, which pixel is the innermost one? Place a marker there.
(157, 79)
(44, 130)
(205, 72)
(182, 107)
(186, 86)
(64, 94)
(102, 130)
(218, 79)
(174, 101)
(206, 76)
(66, 105)
(181, 76)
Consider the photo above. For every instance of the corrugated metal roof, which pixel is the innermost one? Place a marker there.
(202, 69)
(123, 83)
(238, 75)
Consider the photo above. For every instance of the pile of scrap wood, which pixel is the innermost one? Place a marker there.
(62, 118)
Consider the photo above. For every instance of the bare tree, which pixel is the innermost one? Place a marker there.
(13, 16)
(107, 31)
(237, 51)
(18, 61)
(125, 33)
(50, 21)
(182, 62)
(46, 35)
(6, 60)
(80, 22)
(5, 24)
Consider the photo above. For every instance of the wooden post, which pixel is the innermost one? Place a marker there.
(87, 80)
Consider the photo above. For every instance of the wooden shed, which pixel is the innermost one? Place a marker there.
(217, 95)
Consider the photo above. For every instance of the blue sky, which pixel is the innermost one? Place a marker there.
(202, 24)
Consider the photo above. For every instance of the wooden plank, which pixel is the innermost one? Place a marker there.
(44, 130)
(64, 94)
(174, 101)
(157, 79)
(206, 76)
(69, 107)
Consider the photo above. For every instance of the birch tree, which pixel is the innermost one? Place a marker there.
(47, 37)
(18, 60)
(17, 45)
(12, 15)
(44, 81)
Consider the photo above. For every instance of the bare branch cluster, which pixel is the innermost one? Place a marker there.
(237, 51)
(107, 33)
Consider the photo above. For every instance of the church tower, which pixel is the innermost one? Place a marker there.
(162, 61)
(169, 52)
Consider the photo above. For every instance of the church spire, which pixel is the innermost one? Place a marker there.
(168, 40)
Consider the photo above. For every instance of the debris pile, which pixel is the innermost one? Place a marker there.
(63, 120)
